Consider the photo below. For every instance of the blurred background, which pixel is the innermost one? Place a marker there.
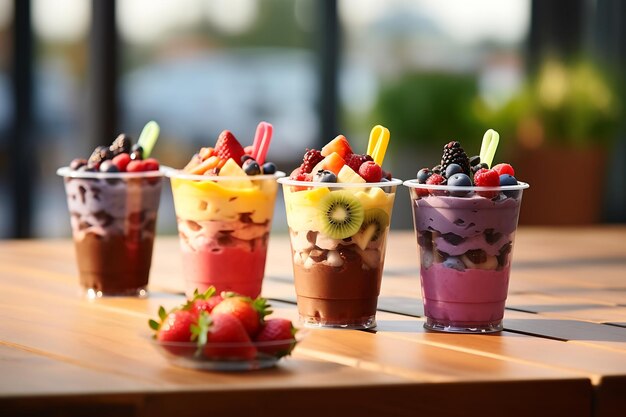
(547, 74)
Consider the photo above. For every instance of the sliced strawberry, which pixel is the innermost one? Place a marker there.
(340, 145)
(227, 146)
(277, 330)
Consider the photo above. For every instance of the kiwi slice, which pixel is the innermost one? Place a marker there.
(341, 214)
(375, 221)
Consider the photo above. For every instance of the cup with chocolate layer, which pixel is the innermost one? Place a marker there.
(113, 217)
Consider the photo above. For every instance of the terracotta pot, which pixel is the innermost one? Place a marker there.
(566, 185)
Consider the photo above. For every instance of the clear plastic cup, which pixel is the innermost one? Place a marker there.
(465, 237)
(224, 225)
(338, 236)
(113, 218)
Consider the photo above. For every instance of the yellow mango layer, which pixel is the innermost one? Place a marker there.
(212, 201)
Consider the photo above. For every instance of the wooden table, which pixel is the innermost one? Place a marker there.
(563, 351)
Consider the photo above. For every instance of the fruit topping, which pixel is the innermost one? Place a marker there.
(332, 162)
(121, 144)
(101, 153)
(338, 145)
(269, 168)
(506, 179)
(312, 157)
(121, 161)
(435, 179)
(324, 176)
(347, 175)
(375, 221)
(504, 169)
(453, 153)
(227, 147)
(354, 161)
(341, 214)
(486, 178)
(452, 169)
(108, 166)
(371, 171)
(251, 167)
(423, 175)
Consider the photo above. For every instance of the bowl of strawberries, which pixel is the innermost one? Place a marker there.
(223, 332)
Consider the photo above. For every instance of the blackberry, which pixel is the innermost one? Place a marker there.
(454, 154)
(121, 144)
(101, 153)
(311, 158)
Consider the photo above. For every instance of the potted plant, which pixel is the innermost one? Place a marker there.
(563, 122)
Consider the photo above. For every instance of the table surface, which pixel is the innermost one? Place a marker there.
(563, 351)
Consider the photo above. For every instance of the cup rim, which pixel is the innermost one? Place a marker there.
(66, 171)
(414, 184)
(178, 173)
(392, 183)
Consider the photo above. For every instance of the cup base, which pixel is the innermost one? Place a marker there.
(318, 323)
(471, 328)
(93, 293)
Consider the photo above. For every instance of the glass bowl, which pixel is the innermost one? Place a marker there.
(226, 356)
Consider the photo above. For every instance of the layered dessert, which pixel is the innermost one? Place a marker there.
(113, 198)
(224, 200)
(465, 216)
(338, 206)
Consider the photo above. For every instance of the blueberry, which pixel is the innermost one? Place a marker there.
(454, 263)
(453, 169)
(269, 168)
(325, 176)
(459, 180)
(507, 179)
(423, 174)
(108, 166)
(251, 167)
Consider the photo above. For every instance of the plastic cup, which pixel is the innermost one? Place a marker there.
(465, 237)
(224, 226)
(338, 272)
(113, 218)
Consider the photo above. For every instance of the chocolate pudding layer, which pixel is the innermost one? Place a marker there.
(341, 296)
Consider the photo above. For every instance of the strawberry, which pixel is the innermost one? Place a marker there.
(487, 178)
(205, 301)
(175, 326)
(227, 147)
(504, 169)
(276, 330)
(121, 161)
(355, 160)
(222, 336)
(249, 312)
(370, 171)
(340, 145)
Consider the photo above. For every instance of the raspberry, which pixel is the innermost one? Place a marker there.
(504, 169)
(487, 178)
(227, 147)
(121, 161)
(311, 158)
(370, 171)
(298, 175)
(355, 161)
(435, 179)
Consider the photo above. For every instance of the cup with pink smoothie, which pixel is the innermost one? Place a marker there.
(465, 215)
(224, 201)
